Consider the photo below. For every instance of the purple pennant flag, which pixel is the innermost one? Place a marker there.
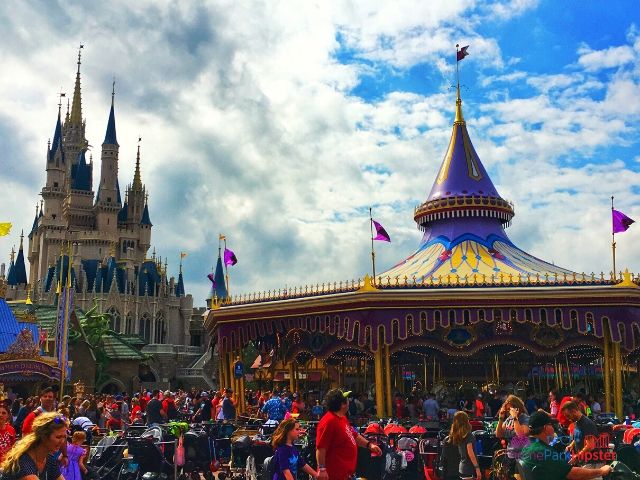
(620, 221)
(213, 281)
(382, 234)
(229, 257)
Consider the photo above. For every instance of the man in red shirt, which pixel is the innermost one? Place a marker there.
(337, 441)
(47, 400)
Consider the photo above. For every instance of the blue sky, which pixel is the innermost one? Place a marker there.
(279, 125)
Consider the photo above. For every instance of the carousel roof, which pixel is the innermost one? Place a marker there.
(463, 221)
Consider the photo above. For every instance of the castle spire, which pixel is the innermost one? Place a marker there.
(35, 223)
(57, 140)
(19, 276)
(76, 106)
(137, 181)
(110, 135)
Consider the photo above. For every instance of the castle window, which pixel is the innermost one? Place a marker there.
(144, 327)
(161, 329)
(114, 319)
(55, 184)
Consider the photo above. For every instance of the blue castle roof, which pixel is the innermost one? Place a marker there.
(110, 135)
(148, 279)
(81, 174)
(145, 220)
(57, 141)
(180, 286)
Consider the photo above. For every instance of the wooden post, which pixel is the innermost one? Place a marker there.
(606, 369)
(389, 398)
(379, 381)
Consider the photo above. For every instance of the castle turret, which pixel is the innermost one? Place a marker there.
(108, 201)
(17, 271)
(54, 191)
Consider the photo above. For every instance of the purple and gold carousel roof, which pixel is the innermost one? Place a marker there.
(463, 220)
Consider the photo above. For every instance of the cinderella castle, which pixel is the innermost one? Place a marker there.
(110, 241)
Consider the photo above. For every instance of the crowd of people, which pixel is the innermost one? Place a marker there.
(33, 432)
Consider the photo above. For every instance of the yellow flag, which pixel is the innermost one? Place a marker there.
(5, 228)
(183, 254)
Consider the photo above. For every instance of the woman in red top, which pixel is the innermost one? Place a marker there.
(7, 433)
(337, 441)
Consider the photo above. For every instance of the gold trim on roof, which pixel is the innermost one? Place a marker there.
(444, 169)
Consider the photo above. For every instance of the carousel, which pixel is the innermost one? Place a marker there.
(468, 310)
(25, 365)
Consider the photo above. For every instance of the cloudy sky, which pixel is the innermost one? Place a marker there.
(279, 123)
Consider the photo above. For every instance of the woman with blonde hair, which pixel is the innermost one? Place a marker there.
(460, 435)
(33, 457)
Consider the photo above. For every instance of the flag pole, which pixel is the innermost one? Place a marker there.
(457, 71)
(613, 242)
(65, 325)
(226, 270)
(373, 252)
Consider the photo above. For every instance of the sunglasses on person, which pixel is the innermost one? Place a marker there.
(60, 419)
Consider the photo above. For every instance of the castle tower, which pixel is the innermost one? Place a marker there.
(34, 247)
(137, 217)
(108, 201)
(17, 271)
(54, 192)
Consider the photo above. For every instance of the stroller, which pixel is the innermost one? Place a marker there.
(199, 453)
(106, 459)
(150, 455)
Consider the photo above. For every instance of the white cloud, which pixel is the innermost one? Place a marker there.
(612, 57)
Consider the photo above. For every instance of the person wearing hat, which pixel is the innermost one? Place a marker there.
(547, 463)
(337, 441)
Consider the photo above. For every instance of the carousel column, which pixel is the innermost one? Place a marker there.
(389, 399)
(379, 381)
(241, 393)
(224, 370)
(221, 375)
(606, 369)
(617, 379)
(292, 377)
(232, 378)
